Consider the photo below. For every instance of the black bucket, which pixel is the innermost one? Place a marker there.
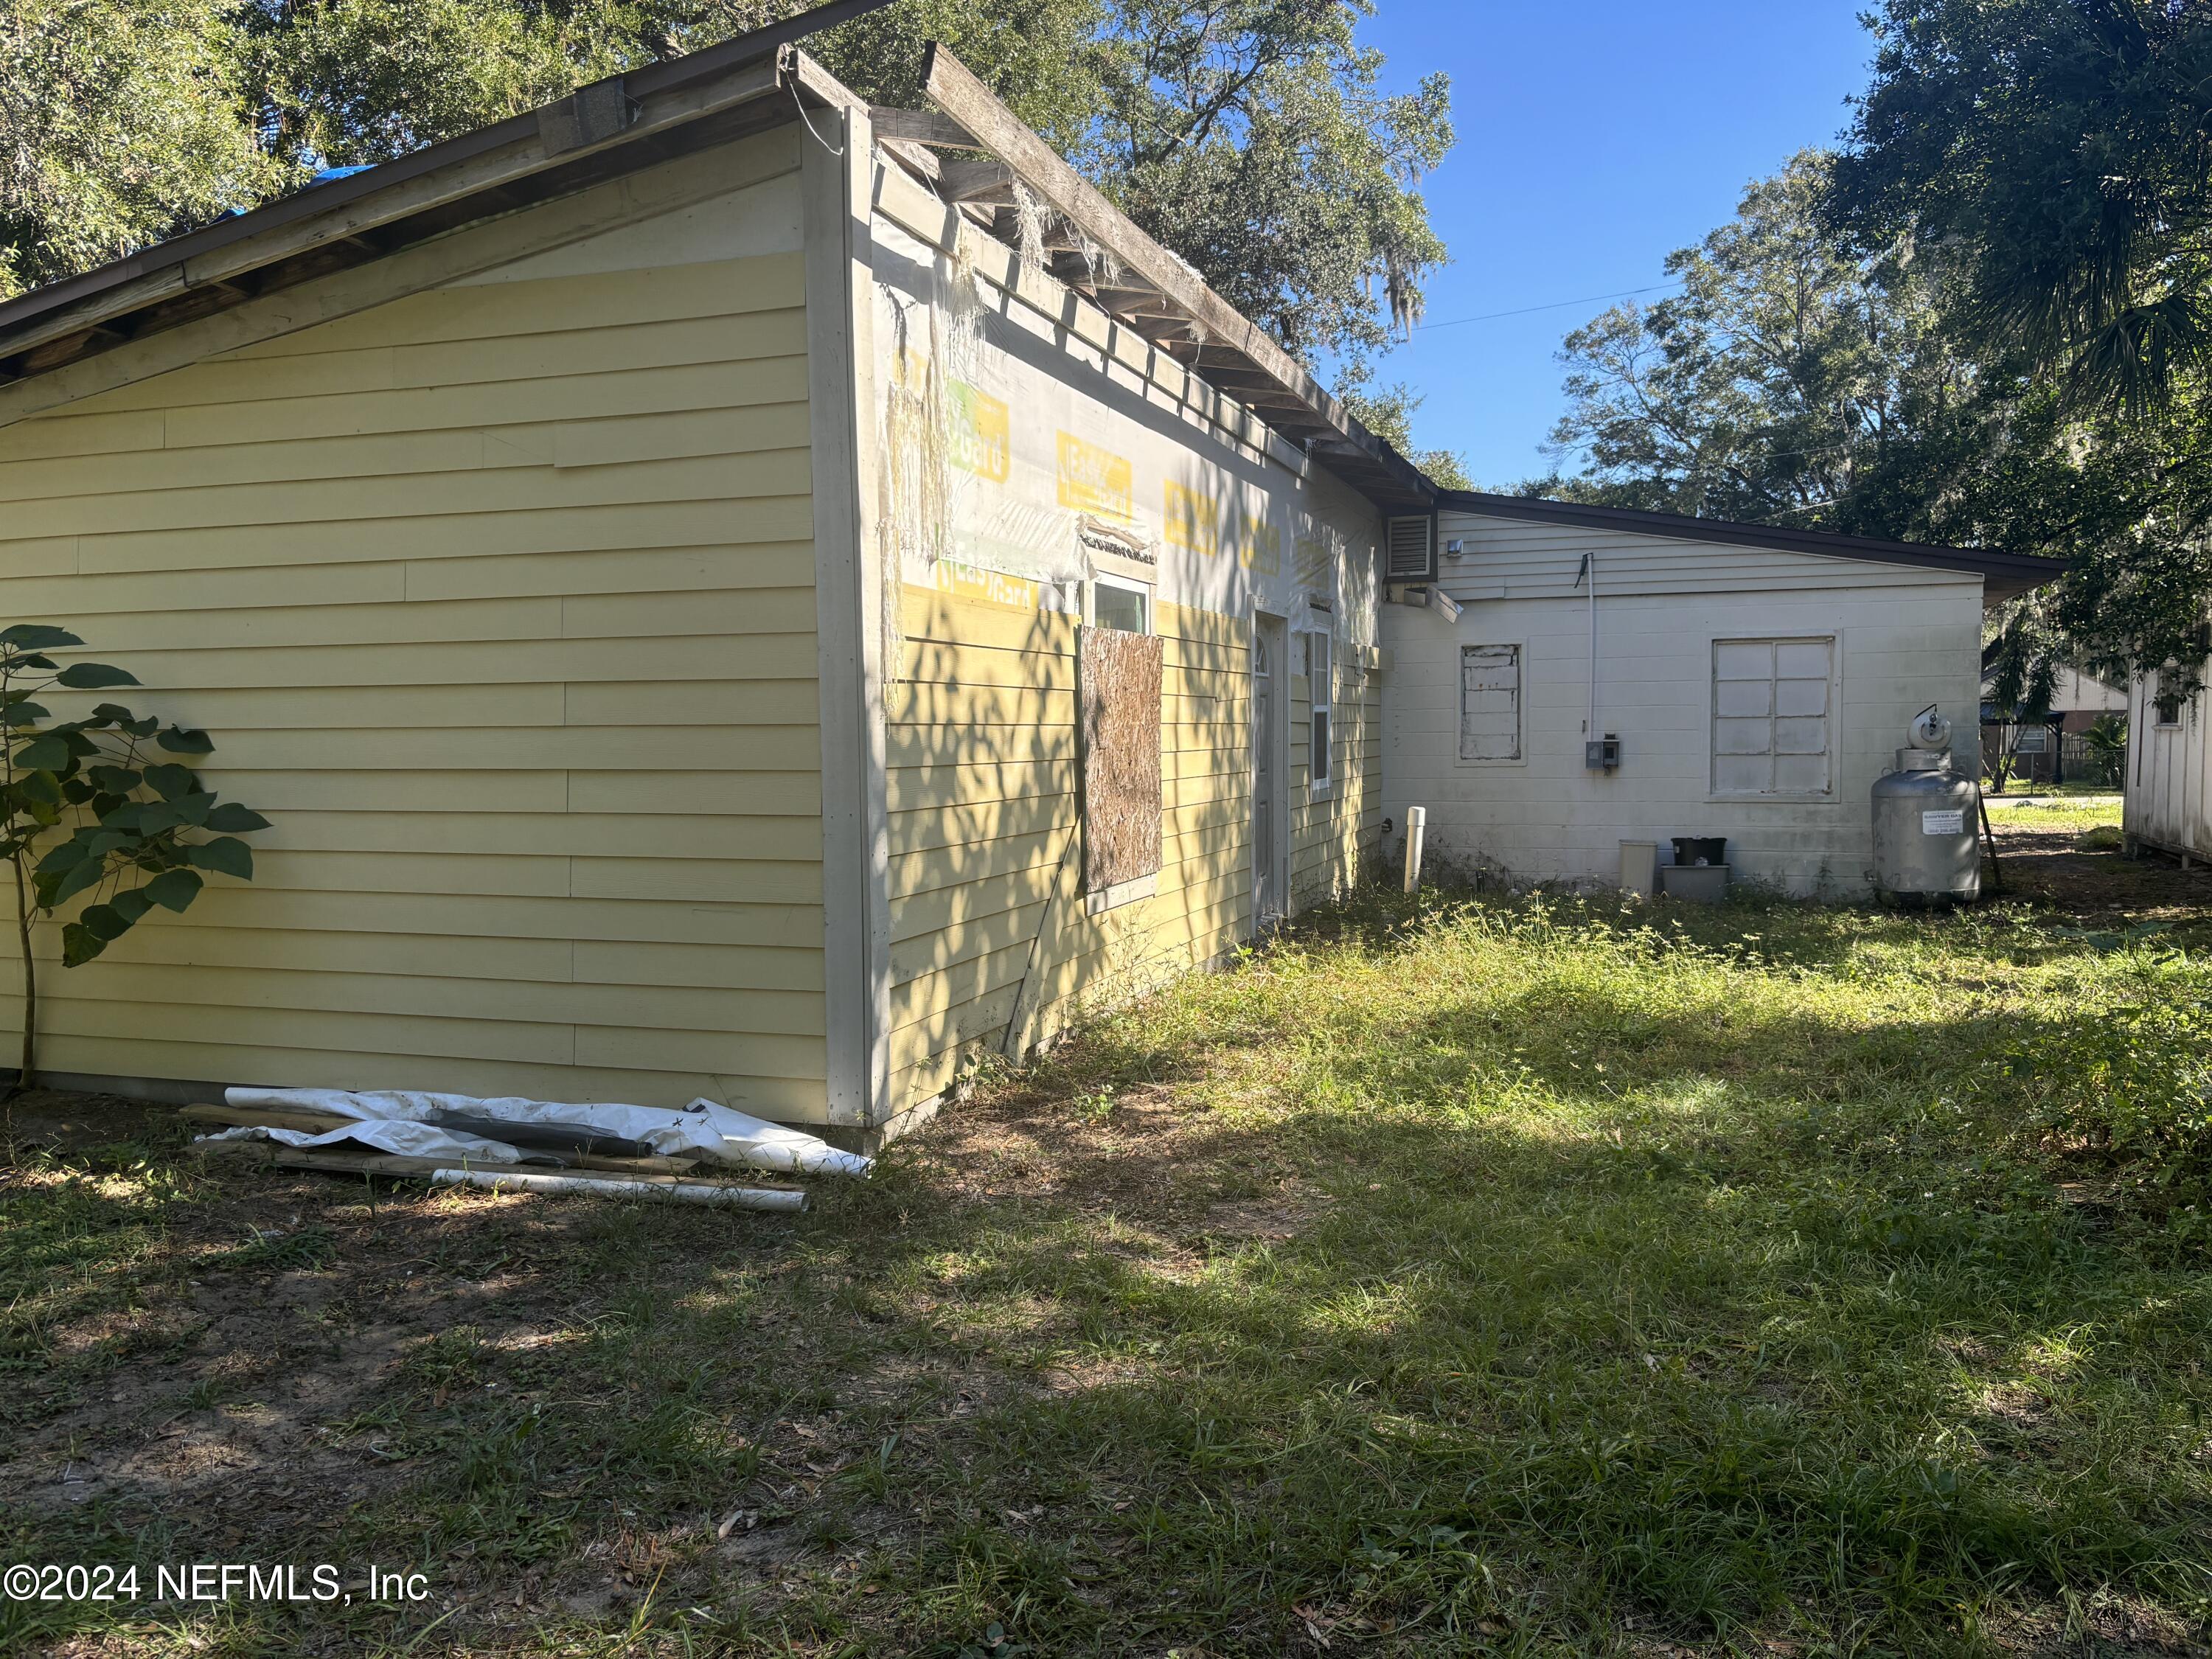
(1701, 849)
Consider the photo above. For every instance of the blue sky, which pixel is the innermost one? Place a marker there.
(1594, 139)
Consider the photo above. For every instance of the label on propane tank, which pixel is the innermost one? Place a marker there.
(1953, 823)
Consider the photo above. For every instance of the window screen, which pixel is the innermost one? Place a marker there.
(1490, 702)
(1122, 605)
(1772, 727)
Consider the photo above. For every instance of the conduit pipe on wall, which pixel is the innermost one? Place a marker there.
(1588, 573)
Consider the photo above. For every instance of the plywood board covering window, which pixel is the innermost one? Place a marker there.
(1772, 702)
(1120, 678)
(1490, 702)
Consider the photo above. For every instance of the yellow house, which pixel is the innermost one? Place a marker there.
(721, 591)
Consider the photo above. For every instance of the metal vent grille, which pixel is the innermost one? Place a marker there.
(1412, 548)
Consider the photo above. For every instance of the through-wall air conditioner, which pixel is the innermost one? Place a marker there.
(1412, 548)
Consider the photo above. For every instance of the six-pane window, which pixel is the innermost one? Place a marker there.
(1772, 734)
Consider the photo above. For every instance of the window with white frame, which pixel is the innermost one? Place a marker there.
(1319, 677)
(2165, 700)
(1490, 702)
(1118, 602)
(1773, 731)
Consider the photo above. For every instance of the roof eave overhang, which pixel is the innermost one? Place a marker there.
(611, 127)
(628, 123)
(1135, 279)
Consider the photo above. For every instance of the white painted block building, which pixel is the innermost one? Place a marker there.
(1757, 682)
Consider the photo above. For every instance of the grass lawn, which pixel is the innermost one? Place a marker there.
(2072, 788)
(2078, 810)
(1513, 1277)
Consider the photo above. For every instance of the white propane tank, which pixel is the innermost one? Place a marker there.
(1927, 821)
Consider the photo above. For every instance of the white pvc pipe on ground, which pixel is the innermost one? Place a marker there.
(1417, 825)
(519, 1181)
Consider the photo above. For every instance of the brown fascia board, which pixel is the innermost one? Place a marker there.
(2004, 575)
(31, 319)
(1385, 476)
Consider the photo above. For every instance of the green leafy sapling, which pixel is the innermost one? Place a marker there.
(137, 828)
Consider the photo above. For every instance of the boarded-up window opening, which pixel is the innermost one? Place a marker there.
(1770, 725)
(1490, 702)
(1119, 679)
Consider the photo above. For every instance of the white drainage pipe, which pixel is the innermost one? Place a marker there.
(1417, 825)
(693, 1192)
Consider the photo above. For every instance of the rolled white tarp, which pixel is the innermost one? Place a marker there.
(704, 1129)
(399, 1136)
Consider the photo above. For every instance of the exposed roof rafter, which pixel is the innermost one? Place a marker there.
(971, 151)
(1141, 283)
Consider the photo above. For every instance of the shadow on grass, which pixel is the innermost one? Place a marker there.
(1455, 1343)
(1743, 1338)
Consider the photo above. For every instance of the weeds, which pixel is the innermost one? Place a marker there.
(1453, 1277)
(303, 1248)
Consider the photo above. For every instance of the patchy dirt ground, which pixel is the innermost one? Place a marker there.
(2065, 852)
(262, 1364)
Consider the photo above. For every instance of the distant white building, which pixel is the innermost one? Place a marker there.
(1753, 682)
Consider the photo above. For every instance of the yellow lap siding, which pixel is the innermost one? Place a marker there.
(499, 600)
(416, 958)
(494, 486)
(567, 834)
(651, 369)
(981, 748)
(322, 1061)
(638, 522)
(714, 751)
(1209, 914)
(1332, 833)
(633, 570)
(539, 662)
(933, 1045)
(482, 916)
(754, 1013)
